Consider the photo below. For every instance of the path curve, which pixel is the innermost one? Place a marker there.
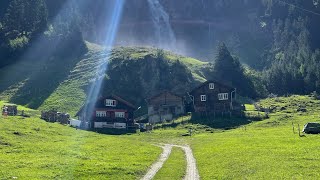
(158, 165)
(192, 172)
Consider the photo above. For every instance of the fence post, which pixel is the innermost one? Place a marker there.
(293, 128)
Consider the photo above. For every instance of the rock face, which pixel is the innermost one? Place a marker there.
(139, 79)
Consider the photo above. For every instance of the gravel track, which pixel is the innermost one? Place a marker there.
(192, 172)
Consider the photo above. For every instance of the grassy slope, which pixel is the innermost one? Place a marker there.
(43, 150)
(70, 94)
(67, 93)
(174, 167)
(136, 53)
(263, 150)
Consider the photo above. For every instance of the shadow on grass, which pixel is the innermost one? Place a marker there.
(170, 124)
(42, 83)
(225, 122)
(110, 131)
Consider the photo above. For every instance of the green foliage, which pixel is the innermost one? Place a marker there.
(228, 70)
(293, 64)
(18, 43)
(257, 81)
(23, 21)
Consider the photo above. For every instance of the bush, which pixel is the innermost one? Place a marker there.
(18, 43)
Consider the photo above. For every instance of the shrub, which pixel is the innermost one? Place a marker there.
(18, 43)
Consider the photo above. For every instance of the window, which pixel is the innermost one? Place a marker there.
(223, 96)
(203, 98)
(119, 114)
(211, 85)
(110, 102)
(101, 113)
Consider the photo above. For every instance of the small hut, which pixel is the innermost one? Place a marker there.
(55, 116)
(10, 110)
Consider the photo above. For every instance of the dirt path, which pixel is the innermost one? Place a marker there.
(158, 165)
(191, 172)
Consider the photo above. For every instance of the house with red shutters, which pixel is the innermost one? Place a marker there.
(107, 112)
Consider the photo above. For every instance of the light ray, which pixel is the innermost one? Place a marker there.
(112, 23)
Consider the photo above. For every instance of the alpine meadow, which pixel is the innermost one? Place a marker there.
(159, 89)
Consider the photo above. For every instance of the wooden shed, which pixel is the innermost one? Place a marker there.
(165, 106)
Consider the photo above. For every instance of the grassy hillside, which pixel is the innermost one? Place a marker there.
(62, 83)
(30, 148)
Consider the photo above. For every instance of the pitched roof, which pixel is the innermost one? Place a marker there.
(163, 92)
(210, 81)
(123, 101)
(112, 96)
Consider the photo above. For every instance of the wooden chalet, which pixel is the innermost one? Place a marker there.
(164, 107)
(108, 112)
(213, 98)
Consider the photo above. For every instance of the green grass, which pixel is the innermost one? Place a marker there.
(31, 148)
(138, 53)
(250, 107)
(262, 150)
(267, 149)
(174, 167)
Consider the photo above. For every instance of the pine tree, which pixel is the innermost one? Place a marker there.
(228, 70)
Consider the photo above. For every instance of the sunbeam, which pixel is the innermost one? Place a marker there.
(112, 23)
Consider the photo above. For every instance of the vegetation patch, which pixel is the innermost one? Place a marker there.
(174, 167)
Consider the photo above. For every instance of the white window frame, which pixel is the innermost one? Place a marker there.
(101, 114)
(203, 98)
(211, 85)
(110, 103)
(223, 96)
(120, 114)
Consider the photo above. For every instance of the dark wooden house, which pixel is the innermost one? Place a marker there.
(165, 106)
(108, 112)
(213, 98)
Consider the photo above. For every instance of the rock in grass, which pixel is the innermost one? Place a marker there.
(17, 133)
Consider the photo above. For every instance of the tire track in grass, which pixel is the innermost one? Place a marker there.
(174, 167)
(192, 172)
(156, 166)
